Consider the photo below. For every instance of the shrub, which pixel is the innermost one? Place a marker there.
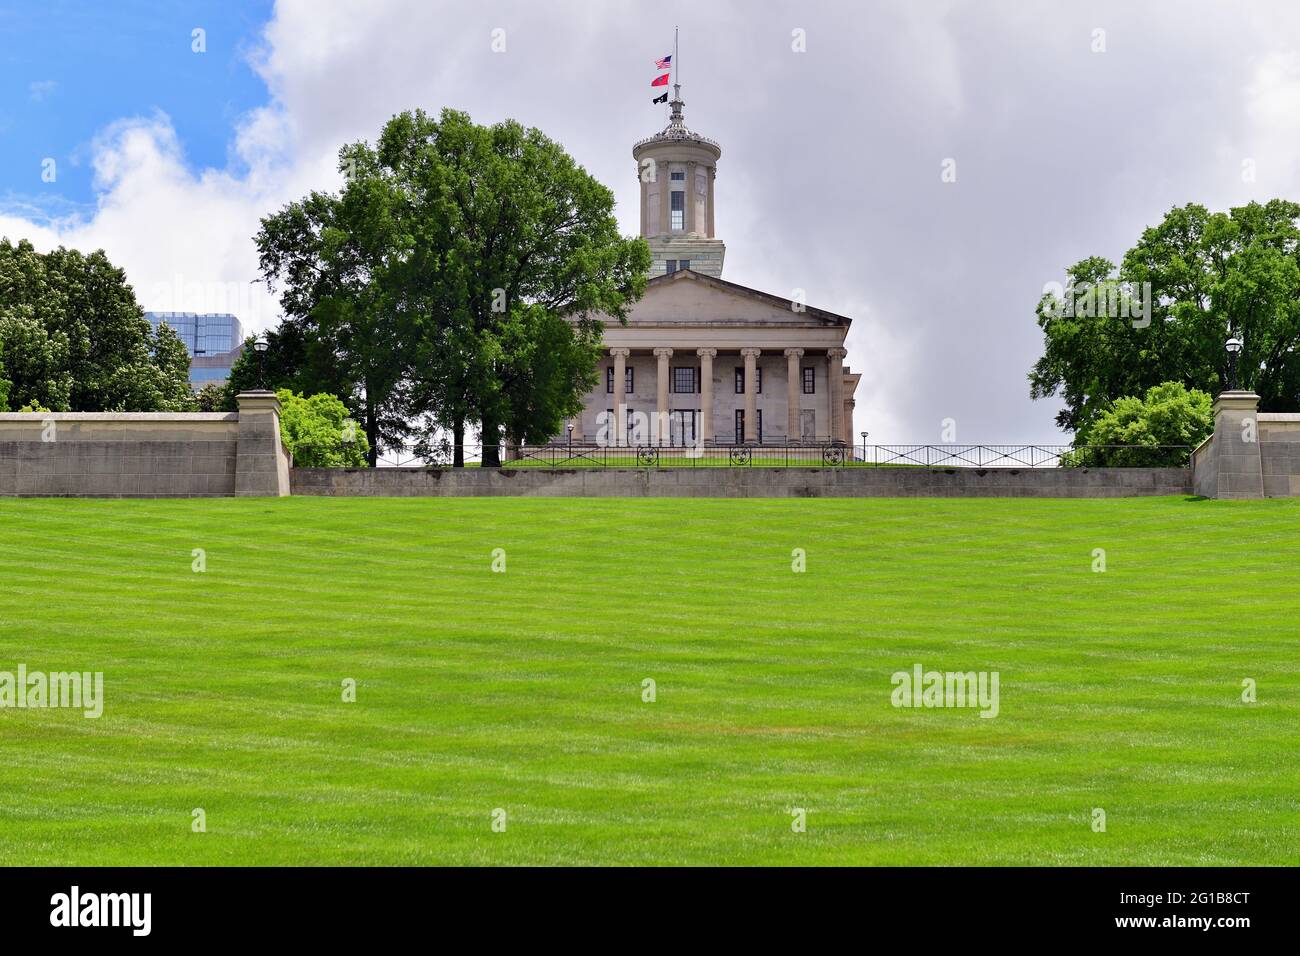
(318, 432)
(1168, 415)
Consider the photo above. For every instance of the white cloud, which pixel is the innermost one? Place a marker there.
(829, 179)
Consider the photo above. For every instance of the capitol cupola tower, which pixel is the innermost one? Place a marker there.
(677, 168)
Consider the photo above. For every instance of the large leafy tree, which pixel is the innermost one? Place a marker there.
(1210, 275)
(75, 339)
(461, 276)
(333, 258)
(514, 259)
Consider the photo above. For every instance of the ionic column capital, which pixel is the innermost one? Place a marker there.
(837, 353)
(707, 353)
(794, 353)
(620, 352)
(663, 353)
(751, 352)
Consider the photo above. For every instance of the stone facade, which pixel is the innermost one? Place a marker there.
(145, 454)
(699, 350)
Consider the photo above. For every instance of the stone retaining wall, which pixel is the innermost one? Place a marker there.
(145, 454)
(747, 482)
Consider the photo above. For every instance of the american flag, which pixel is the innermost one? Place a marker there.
(664, 64)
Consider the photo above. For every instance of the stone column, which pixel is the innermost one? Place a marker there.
(751, 396)
(261, 463)
(793, 389)
(713, 171)
(620, 399)
(1237, 470)
(836, 360)
(706, 393)
(660, 432)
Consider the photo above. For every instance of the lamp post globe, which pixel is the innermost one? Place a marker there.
(1233, 347)
(260, 346)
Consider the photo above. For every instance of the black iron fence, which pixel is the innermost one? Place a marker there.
(818, 455)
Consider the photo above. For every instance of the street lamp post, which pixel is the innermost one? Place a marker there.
(259, 346)
(1233, 345)
(570, 427)
(864, 446)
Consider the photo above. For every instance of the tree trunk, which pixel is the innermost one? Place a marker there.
(491, 444)
(458, 443)
(372, 435)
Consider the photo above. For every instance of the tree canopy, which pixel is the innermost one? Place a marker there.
(73, 337)
(1208, 276)
(459, 277)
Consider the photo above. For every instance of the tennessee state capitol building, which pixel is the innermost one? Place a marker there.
(718, 362)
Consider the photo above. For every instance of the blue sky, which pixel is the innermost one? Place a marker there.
(72, 67)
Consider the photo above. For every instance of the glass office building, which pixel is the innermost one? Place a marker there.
(213, 340)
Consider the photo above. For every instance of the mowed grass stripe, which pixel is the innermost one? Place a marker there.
(523, 690)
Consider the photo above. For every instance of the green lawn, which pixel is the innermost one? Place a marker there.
(477, 690)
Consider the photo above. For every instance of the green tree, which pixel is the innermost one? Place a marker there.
(319, 433)
(212, 398)
(333, 258)
(1161, 429)
(172, 359)
(75, 339)
(4, 382)
(510, 258)
(1209, 275)
(35, 361)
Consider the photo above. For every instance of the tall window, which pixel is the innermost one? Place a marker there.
(679, 210)
(686, 379)
(627, 380)
(679, 176)
(809, 380)
(740, 380)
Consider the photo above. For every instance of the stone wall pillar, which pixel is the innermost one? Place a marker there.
(261, 463)
(706, 393)
(1236, 469)
(620, 398)
(793, 389)
(836, 371)
(751, 393)
(659, 434)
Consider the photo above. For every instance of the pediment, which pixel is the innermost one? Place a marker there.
(690, 298)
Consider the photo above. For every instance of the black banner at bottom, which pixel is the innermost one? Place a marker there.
(336, 906)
